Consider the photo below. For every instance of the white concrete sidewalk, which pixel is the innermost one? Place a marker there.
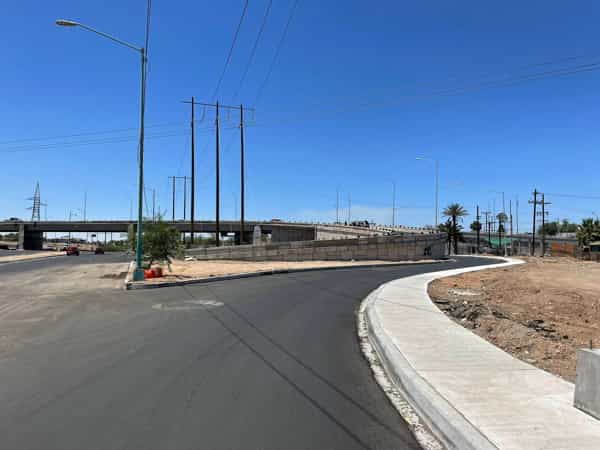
(469, 392)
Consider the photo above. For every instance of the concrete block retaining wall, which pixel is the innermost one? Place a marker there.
(390, 248)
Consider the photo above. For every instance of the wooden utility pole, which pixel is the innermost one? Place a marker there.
(153, 207)
(217, 107)
(544, 212)
(517, 208)
(510, 218)
(184, 196)
(193, 193)
(173, 216)
(543, 228)
(478, 228)
(535, 202)
(242, 182)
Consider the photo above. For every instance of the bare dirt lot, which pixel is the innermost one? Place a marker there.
(541, 312)
(184, 270)
(31, 297)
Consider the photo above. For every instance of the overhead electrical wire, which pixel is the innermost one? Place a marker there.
(254, 47)
(115, 140)
(235, 36)
(502, 82)
(277, 51)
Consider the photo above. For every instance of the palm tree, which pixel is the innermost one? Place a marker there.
(588, 231)
(455, 211)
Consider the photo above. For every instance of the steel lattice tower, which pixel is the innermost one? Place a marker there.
(35, 208)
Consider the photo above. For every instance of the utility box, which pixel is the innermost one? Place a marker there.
(587, 382)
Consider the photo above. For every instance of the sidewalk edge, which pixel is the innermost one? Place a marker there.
(448, 425)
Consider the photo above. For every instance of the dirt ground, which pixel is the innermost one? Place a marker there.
(182, 270)
(541, 312)
(44, 296)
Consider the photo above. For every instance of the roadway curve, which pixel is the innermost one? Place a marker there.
(258, 363)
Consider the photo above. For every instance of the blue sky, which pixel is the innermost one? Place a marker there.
(353, 98)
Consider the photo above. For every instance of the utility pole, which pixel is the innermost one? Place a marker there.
(173, 216)
(394, 205)
(478, 228)
(337, 205)
(192, 206)
(242, 180)
(218, 106)
(217, 175)
(153, 206)
(488, 227)
(535, 202)
(184, 178)
(510, 217)
(517, 208)
(544, 212)
(349, 209)
(184, 196)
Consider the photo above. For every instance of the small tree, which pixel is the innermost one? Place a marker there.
(476, 226)
(161, 243)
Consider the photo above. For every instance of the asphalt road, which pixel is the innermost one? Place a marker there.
(259, 363)
(62, 260)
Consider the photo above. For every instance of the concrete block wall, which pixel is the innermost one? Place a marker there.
(389, 248)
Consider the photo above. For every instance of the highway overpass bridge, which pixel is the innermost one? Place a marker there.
(31, 233)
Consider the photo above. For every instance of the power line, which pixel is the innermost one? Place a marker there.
(503, 82)
(235, 36)
(96, 142)
(254, 47)
(584, 197)
(89, 133)
(277, 50)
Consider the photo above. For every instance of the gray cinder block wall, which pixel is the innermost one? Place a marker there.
(390, 248)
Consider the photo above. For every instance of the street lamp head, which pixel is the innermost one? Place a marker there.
(66, 23)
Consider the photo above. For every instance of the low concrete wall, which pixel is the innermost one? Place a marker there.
(387, 248)
(587, 382)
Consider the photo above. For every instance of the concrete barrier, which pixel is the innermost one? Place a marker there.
(587, 382)
(386, 248)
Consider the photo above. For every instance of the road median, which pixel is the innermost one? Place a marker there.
(212, 271)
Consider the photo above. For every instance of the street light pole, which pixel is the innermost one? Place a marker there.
(139, 272)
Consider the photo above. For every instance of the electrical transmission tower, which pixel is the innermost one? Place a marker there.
(37, 204)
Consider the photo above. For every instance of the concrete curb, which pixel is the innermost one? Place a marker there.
(133, 285)
(129, 275)
(445, 421)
